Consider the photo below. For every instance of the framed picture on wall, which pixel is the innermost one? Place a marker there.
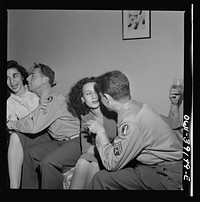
(136, 24)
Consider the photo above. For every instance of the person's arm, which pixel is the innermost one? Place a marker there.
(39, 119)
(174, 118)
(125, 147)
(176, 99)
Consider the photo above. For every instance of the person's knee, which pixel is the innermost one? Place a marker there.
(82, 163)
(94, 166)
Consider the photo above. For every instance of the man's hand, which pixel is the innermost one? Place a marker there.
(175, 96)
(95, 127)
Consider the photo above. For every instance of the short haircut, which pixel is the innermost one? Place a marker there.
(46, 71)
(115, 84)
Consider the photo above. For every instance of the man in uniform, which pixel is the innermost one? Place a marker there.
(146, 154)
(47, 139)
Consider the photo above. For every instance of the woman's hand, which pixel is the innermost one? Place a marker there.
(10, 124)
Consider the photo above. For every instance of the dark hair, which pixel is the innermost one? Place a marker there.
(46, 71)
(114, 83)
(74, 101)
(14, 64)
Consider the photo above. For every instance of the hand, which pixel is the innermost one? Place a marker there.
(175, 96)
(43, 104)
(95, 127)
(10, 124)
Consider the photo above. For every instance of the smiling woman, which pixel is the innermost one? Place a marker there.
(21, 102)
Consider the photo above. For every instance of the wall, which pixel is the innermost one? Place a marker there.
(79, 43)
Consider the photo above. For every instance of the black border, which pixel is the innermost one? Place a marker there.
(188, 94)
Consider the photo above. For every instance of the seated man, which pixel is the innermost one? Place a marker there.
(47, 139)
(145, 155)
(173, 120)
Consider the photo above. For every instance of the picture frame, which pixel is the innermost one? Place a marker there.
(136, 24)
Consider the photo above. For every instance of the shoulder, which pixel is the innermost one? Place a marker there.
(57, 99)
(10, 101)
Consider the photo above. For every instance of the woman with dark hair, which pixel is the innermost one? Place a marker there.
(85, 101)
(20, 102)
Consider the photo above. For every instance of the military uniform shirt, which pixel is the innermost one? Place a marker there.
(143, 135)
(53, 115)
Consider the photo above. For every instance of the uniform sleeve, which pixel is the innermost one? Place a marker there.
(41, 118)
(125, 147)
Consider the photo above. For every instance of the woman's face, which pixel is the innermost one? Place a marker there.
(90, 96)
(14, 80)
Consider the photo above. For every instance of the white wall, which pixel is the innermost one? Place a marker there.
(79, 43)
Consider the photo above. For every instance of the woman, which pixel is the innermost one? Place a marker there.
(20, 103)
(85, 101)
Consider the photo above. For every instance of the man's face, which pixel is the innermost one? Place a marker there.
(35, 80)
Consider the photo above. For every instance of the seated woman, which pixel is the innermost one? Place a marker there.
(85, 101)
(20, 103)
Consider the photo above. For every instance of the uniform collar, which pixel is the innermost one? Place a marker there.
(45, 94)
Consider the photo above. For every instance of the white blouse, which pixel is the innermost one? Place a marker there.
(20, 106)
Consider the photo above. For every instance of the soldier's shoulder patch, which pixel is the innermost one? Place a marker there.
(45, 104)
(117, 149)
(50, 98)
(125, 130)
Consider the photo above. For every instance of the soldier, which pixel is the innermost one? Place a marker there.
(146, 154)
(47, 139)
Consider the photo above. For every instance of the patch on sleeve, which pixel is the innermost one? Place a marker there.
(117, 148)
(45, 103)
(49, 99)
(125, 130)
